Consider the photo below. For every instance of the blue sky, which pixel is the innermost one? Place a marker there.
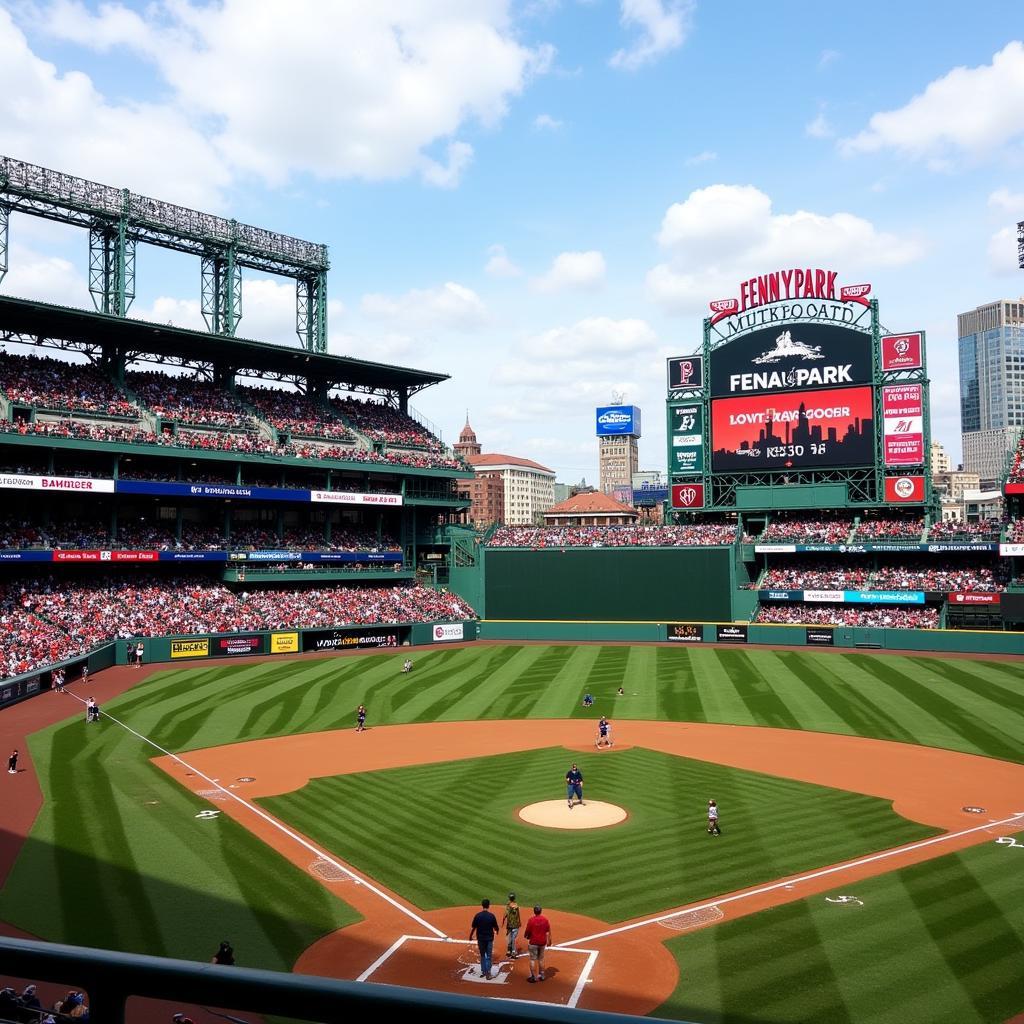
(540, 198)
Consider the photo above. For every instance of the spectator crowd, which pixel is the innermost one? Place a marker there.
(927, 574)
(68, 387)
(692, 535)
(920, 617)
(48, 619)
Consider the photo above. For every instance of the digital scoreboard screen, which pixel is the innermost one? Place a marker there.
(793, 430)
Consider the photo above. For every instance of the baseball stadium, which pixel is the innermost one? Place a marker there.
(214, 550)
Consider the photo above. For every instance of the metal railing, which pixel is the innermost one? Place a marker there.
(111, 978)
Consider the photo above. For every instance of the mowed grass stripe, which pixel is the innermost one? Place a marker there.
(445, 834)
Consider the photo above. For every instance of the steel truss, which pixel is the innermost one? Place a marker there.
(118, 219)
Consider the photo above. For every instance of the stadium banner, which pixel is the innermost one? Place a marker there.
(799, 357)
(685, 373)
(825, 596)
(903, 424)
(1011, 550)
(381, 557)
(106, 556)
(618, 420)
(193, 556)
(649, 497)
(780, 595)
(284, 643)
(349, 639)
(190, 648)
(973, 597)
(347, 498)
(79, 484)
(160, 488)
(883, 596)
(869, 546)
(687, 426)
(238, 643)
(903, 351)
(686, 632)
(1015, 488)
(14, 689)
(798, 429)
(904, 489)
(26, 556)
(730, 634)
(448, 631)
(687, 495)
(820, 636)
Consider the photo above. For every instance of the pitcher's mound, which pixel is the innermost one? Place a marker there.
(556, 814)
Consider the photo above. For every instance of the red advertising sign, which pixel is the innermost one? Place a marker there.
(973, 598)
(902, 351)
(799, 428)
(903, 424)
(687, 495)
(782, 285)
(907, 489)
(1014, 489)
(106, 556)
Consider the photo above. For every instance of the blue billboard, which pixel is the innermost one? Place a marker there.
(614, 420)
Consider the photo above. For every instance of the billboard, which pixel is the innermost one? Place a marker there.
(284, 643)
(730, 634)
(614, 420)
(685, 372)
(903, 351)
(687, 495)
(229, 646)
(820, 636)
(190, 648)
(686, 632)
(903, 424)
(906, 489)
(347, 640)
(448, 631)
(686, 426)
(800, 429)
(790, 358)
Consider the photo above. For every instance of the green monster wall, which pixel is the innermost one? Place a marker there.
(645, 584)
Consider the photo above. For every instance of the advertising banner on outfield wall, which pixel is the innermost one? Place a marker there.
(973, 597)
(820, 636)
(731, 634)
(229, 646)
(686, 632)
(903, 424)
(350, 639)
(284, 643)
(190, 648)
(448, 631)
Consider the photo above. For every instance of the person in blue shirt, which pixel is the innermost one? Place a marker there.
(588, 700)
(483, 929)
(574, 785)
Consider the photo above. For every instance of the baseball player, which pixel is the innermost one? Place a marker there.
(12, 763)
(604, 738)
(361, 718)
(713, 829)
(574, 785)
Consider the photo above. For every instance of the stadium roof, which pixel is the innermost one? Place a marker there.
(590, 504)
(495, 460)
(29, 320)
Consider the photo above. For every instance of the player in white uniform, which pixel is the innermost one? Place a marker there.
(713, 829)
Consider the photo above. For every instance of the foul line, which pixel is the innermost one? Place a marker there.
(897, 851)
(301, 840)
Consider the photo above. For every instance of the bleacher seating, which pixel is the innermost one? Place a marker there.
(695, 535)
(52, 384)
(921, 617)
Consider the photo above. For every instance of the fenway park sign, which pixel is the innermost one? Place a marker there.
(807, 291)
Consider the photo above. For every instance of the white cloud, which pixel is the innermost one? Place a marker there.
(334, 90)
(545, 122)
(1002, 252)
(663, 27)
(723, 233)
(579, 270)
(592, 338)
(48, 278)
(378, 348)
(819, 128)
(828, 57)
(1005, 201)
(451, 306)
(969, 111)
(62, 121)
(499, 265)
(704, 157)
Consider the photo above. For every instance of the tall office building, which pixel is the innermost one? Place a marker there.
(991, 342)
(618, 430)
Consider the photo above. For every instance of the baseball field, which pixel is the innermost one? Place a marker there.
(872, 811)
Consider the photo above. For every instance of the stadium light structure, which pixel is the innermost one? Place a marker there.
(1020, 244)
(117, 219)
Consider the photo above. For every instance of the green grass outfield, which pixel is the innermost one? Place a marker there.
(781, 826)
(117, 858)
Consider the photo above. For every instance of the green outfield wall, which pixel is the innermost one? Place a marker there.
(584, 584)
(739, 634)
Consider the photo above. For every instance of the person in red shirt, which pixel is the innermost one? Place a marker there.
(538, 937)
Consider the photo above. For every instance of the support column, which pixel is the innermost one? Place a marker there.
(311, 311)
(111, 267)
(5, 220)
(221, 292)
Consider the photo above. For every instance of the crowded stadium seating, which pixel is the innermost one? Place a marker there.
(898, 528)
(1016, 470)
(47, 619)
(925, 617)
(695, 535)
(53, 384)
(986, 529)
(913, 573)
(816, 530)
(295, 414)
(189, 400)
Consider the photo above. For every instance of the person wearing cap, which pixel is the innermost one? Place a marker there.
(512, 921)
(538, 936)
(225, 954)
